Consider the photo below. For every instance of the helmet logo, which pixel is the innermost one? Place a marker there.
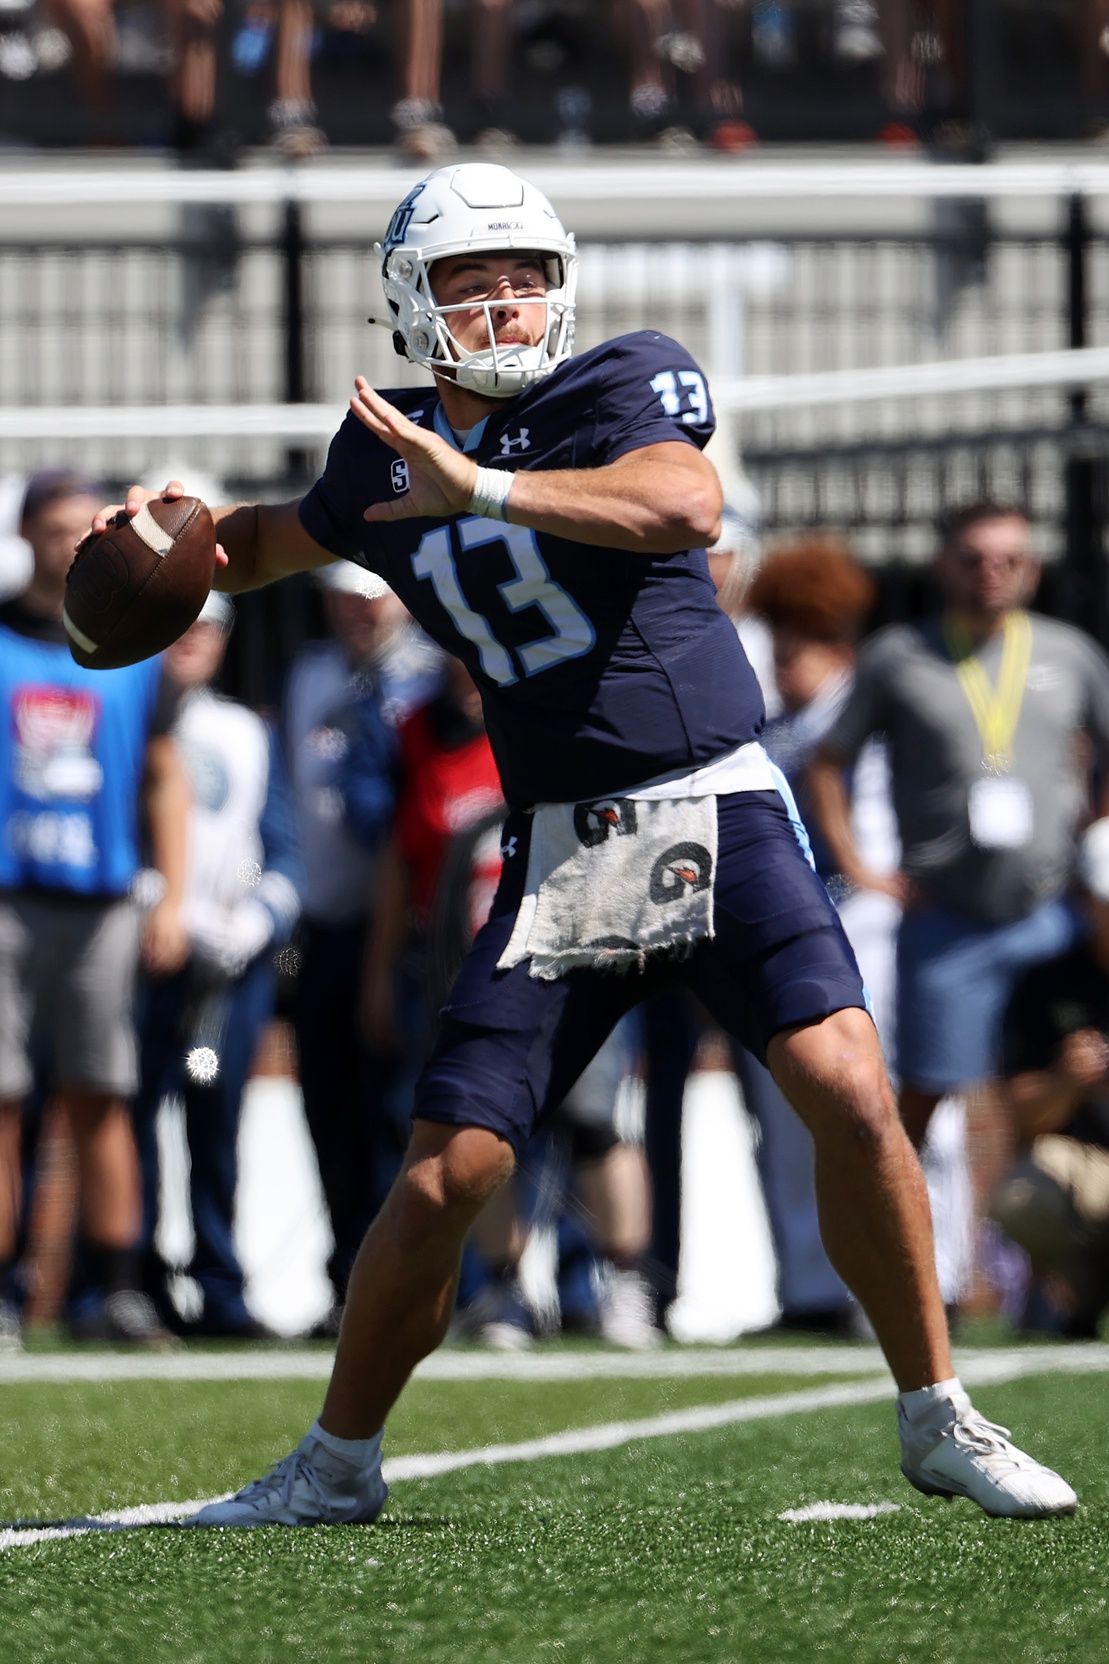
(398, 473)
(402, 218)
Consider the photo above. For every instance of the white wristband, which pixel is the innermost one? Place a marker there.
(490, 493)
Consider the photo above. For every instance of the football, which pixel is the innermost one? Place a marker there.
(137, 586)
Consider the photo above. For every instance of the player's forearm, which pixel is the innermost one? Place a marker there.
(647, 506)
(237, 531)
(263, 542)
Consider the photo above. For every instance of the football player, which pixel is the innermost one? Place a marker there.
(544, 517)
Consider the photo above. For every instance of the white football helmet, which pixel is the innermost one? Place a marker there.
(476, 207)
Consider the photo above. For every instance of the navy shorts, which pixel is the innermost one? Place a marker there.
(511, 1046)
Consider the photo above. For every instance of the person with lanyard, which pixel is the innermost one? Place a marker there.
(982, 708)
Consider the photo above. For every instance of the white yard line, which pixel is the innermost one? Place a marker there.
(447, 1365)
(975, 1369)
(302, 1364)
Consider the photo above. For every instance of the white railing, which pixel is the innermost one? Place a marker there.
(643, 180)
(1078, 368)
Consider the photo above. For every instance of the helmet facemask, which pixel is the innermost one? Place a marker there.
(502, 213)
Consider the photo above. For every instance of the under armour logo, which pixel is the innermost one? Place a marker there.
(517, 442)
(398, 473)
(508, 848)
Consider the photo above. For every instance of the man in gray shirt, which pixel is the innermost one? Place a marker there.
(988, 712)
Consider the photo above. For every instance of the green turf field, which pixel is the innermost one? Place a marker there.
(666, 1546)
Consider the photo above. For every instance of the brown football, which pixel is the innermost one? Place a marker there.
(137, 586)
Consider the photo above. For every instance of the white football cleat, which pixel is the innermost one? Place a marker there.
(310, 1486)
(953, 1451)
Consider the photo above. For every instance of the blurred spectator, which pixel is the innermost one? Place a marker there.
(89, 27)
(677, 52)
(856, 30)
(671, 1023)
(1055, 1057)
(422, 132)
(200, 1026)
(82, 749)
(293, 126)
(195, 31)
(1092, 29)
(815, 597)
(588, 1184)
(446, 781)
(924, 74)
(983, 708)
(16, 560)
(354, 686)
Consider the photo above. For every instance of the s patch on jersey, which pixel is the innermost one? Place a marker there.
(398, 474)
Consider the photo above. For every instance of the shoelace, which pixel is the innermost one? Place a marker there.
(973, 1432)
(279, 1481)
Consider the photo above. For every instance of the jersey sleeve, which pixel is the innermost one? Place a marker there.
(354, 476)
(652, 392)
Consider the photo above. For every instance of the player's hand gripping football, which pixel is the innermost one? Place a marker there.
(137, 495)
(441, 480)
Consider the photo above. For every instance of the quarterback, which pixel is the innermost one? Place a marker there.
(544, 517)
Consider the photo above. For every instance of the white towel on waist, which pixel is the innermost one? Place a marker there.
(612, 881)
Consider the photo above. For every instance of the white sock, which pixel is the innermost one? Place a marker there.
(357, 1453)
(919, 1403)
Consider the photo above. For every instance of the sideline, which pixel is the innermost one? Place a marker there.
(976, 1370)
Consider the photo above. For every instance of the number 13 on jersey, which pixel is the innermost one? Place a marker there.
(571, 634)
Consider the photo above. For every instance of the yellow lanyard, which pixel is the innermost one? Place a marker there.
(996, 710)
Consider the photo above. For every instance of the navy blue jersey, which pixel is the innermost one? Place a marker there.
(598, 668)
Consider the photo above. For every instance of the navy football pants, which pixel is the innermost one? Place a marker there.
(511, 1046)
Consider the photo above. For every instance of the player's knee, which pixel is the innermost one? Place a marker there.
(454, 1170)
(835, 1076)
(867, 1109)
